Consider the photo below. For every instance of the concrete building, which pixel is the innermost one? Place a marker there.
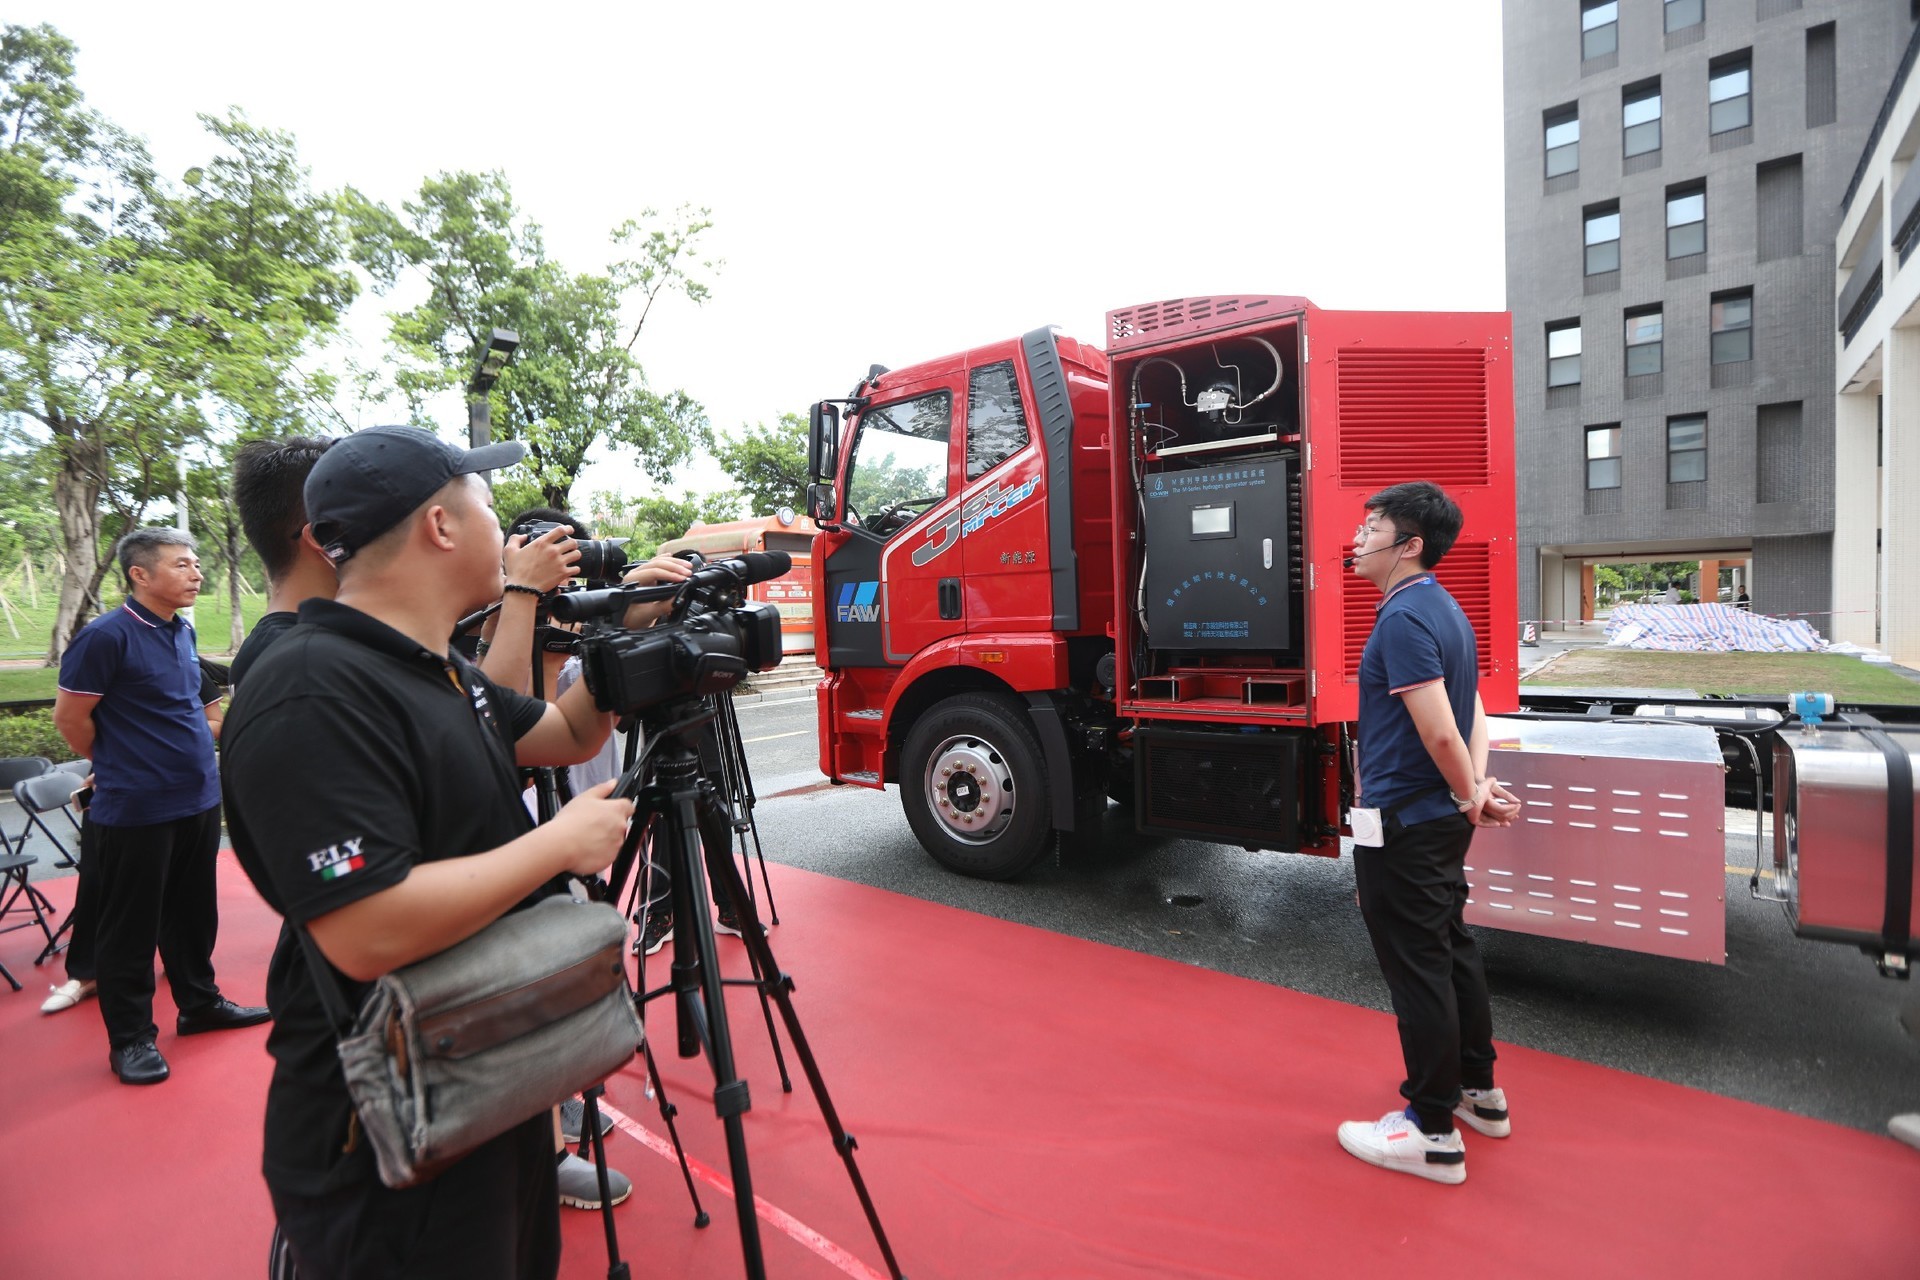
(1876, 527)
(1674, 179)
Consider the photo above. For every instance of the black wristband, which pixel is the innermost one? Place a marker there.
(525, 590)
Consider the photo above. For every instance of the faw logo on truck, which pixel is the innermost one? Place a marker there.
(970, 516)
(856, 603)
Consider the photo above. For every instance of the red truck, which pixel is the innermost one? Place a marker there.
(1048, 574)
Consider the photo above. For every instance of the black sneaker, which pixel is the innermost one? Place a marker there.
(657, 933)
(729, 923)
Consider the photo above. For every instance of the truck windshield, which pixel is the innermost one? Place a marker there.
(900, 456)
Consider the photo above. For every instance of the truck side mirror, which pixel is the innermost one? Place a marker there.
(820, 503)
(823, 439)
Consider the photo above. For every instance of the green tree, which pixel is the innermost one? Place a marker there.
(137, 320)
(769, 464)
(649, 521)
(575, 382)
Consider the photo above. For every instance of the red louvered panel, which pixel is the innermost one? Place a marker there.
(1356, 617)
(1153, 322)
(1424, 407)
(1466, 573)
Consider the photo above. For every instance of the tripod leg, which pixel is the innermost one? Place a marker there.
(738, 783)
(590, 1132)
(667, 1112)
(716, 834)
(700, 995)
(780, 986)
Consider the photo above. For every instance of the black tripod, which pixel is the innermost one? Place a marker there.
(668, 783)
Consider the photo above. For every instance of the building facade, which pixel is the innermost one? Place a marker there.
(1674, 178)
(1876, 559)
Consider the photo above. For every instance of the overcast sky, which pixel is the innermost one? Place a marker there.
(888, 182)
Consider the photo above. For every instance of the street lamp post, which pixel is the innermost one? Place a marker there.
(500, 348)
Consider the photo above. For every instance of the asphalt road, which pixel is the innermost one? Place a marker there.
(1805, 1027)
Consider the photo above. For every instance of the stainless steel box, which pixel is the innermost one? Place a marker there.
(1831, 846)
(1621, 838)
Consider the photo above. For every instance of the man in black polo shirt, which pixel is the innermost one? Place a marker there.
(134, 700)
(1423, 788)
(372, 797)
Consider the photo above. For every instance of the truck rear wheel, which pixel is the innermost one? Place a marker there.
(974, 788)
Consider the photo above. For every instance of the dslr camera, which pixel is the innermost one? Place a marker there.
(602, 560)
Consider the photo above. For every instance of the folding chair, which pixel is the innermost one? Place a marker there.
(17, 769)
(15, 861)
(37, 797)
(43, 794)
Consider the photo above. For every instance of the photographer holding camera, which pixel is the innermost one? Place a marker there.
(373, 797)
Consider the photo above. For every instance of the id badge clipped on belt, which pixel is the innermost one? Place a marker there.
(1367, 828)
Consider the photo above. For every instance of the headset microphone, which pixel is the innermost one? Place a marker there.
(1351, 559)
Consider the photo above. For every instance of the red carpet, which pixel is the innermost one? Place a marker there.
(1027, 1105)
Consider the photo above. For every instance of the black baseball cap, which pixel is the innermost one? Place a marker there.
(370, 481)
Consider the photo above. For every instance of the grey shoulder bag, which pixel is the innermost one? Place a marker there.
(457, 1048)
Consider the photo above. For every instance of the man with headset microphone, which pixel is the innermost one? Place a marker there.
(1424, 786)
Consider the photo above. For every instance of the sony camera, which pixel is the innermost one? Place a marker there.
(602, 560)
(710, 642)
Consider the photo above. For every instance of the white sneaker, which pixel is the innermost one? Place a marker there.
(1397, 1143)
(66, 995)
(1906, 1128)
(1485, 1111)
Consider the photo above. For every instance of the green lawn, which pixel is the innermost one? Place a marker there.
(26, 629)
(19, 684)
(1767, 674)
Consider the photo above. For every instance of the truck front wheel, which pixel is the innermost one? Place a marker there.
(974, 788)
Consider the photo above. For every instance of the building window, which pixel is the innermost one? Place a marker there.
(1603, 239)
(1732, 326)
(1643, 341)
(1603, 457)
(1563, 353)
(1730, 93)
(1686, 449)
(1686, 221)
(1599, 28)
(1563, 141)
(1640, 119)
(1682, 14)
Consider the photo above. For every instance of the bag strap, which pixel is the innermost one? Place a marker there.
(331, 995)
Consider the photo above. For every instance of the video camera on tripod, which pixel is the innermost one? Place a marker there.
(710, 641)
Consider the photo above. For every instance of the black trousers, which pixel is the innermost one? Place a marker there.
(85, 913)
(154, 887)
(495, 1215)
(1413, 892)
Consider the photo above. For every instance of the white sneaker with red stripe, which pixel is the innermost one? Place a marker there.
(1484, 1111)
(1396, 1142)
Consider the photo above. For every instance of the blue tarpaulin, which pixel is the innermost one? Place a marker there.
(1708, 628)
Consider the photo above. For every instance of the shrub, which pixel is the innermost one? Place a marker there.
(31, 733)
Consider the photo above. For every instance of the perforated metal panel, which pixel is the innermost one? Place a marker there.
(1621, 840)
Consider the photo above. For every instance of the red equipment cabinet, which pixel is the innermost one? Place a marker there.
(981, 576)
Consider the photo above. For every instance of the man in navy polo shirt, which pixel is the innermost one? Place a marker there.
(1423, 788)
(134, 700)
